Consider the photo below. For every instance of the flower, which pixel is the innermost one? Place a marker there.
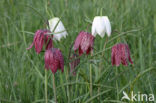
(121, 54)
(100, 25)
(74, 63)
(84, 42)
(54, 60)
(41, 38)
(59, 31)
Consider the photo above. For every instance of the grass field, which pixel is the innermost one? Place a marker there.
(96, 81)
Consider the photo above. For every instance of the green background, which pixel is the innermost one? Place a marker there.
(22, 71)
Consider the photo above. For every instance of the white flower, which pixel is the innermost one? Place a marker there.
(100, 25)
(59, 31)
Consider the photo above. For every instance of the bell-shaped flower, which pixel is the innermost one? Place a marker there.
(54, 60)
(84, 43)
(41, 38)
(100, 25)
(57, 27)
(74, 63)
(121, 54)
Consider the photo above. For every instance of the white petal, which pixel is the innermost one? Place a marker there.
(57, 37)
(93, 28)
(99, 25)
(107, 25)
(60, 28)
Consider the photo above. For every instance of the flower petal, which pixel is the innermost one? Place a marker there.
(93, 28)
(59, 30)
(54, 60)
(107, 25)
(120, 54)
(99, 25)
(78, 41)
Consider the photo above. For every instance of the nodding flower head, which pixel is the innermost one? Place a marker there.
(59, 30)
(121, 54)
(100, 26)
(41, 38)
(74, 63)
(54, 60)
(84, 42)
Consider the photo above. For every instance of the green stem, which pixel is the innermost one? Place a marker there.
(117, 88)
(46, 7)
(104, 46)
(46, 83)
(91, 91)
(101, 11)
(101, 63)
(54, 88)
(66, 3)
(91, 86)
(68, 92)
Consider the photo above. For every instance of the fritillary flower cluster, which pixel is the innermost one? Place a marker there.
(84, 44)
(43, 38)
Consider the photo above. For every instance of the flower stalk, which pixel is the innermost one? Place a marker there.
(54, 88)
(68, 89)
(46, 82)
(91, 86)
(102, 55)
(117, 88)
